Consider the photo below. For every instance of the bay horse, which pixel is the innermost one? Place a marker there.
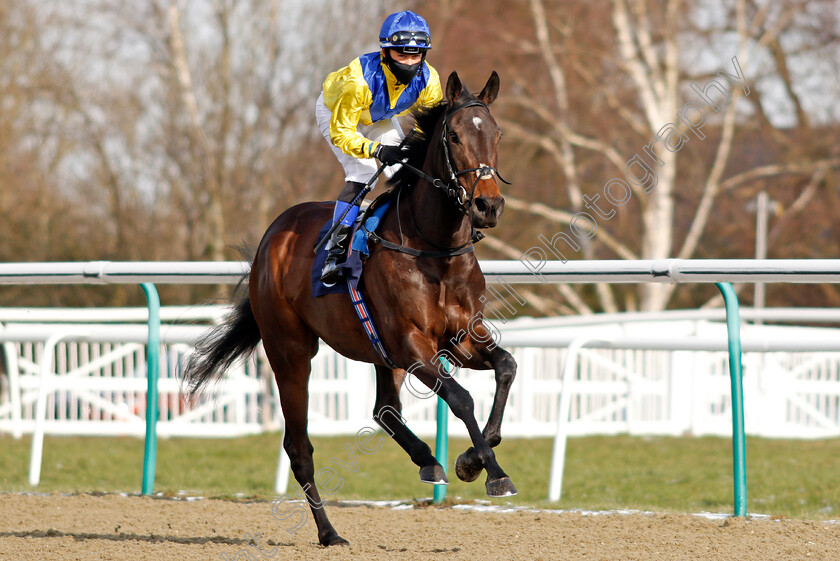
(425, 297)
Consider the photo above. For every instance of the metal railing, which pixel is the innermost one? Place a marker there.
(526, 270)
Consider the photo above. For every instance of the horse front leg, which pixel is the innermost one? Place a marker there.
(461, 404)
(468, 466)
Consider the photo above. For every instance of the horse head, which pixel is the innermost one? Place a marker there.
(471, 137)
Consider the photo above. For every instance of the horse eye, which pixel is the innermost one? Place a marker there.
(453, 136)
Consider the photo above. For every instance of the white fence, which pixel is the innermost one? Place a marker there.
(95, 376)
(663, 374)
(812, 404)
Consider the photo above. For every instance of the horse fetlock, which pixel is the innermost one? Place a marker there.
(421, 450)
(468, 466)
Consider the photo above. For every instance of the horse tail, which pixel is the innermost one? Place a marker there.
(237, 336)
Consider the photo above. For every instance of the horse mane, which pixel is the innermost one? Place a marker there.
(417, 144)
(418, 140)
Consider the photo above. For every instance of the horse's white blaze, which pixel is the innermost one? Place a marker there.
(477, 122)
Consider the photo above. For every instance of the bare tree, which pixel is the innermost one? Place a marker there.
(634, 65)
(177, 129)
(168, 129)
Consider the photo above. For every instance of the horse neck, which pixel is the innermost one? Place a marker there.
(436, 215)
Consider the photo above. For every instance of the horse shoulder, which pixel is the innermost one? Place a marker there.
(461, 294)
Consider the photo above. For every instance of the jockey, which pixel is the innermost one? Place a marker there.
(358, 112)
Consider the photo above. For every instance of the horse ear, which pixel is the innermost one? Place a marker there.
(453, 87)
(491, 89)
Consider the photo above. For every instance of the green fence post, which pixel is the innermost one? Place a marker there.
(152, 360)
(442, 439)
(739, 457)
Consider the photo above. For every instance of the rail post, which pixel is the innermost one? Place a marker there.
(442, 439)
(152, 369)
(739, 457)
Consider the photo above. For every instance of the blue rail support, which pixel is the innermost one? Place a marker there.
(442, 439)
(152, 364)
(739, 457)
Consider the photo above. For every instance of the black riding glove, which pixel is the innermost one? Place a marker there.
(389, 154)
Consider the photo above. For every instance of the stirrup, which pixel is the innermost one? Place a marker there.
(336, 255)
(331, 273)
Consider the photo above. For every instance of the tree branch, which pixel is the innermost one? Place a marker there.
(564, 217)
(561, 98)
(543, 305)
(777, 169)
(644, 79)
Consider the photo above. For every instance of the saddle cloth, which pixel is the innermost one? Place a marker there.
(351, 269)
(351, 272)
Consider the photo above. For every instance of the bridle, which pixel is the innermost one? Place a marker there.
(452, 188)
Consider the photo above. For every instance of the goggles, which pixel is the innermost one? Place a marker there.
(409, 39)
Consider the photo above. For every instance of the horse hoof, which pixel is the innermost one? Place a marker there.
(433, 474)
(502, 487)
(468, 466)
(333, 539)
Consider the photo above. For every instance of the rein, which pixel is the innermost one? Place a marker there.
(452, 188)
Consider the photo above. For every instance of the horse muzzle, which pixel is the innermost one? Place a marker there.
(486, 211)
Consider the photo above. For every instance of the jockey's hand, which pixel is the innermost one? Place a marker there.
(389, 154)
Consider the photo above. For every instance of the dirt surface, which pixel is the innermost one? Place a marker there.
(126, 528)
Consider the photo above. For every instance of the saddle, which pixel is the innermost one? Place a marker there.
(351, 270)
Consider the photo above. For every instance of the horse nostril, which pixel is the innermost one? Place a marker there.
(481, 205)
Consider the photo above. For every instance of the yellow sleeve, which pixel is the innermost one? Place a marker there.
(346, 95)
(432, 94)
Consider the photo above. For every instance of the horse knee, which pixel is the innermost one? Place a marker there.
(505, 377)
(461, 403)
(505, 370)
(493, 439)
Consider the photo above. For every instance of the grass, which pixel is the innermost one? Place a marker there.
(793, 478)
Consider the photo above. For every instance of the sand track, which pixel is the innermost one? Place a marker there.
(127, 528)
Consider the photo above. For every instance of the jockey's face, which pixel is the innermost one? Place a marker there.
(403, 58)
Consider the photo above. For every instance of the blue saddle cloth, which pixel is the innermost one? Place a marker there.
(351, 269)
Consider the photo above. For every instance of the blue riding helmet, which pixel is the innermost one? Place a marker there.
(405, 30)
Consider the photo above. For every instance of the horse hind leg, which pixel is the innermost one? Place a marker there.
(290, 354)
(387, 413)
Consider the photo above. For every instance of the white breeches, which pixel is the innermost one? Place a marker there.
(361, 170)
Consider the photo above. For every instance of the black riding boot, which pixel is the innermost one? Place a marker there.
(348, 206)
(336, 254)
